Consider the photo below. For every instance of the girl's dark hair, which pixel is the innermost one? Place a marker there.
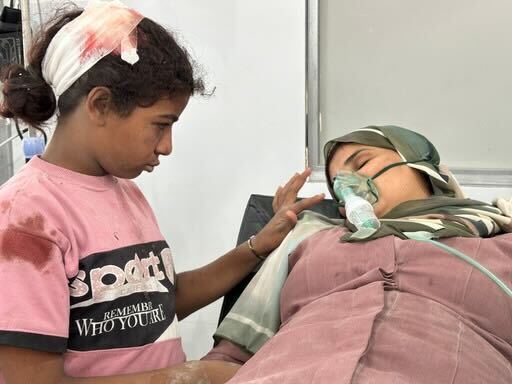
(164, 69)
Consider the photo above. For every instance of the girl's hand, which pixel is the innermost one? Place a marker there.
(286, 208)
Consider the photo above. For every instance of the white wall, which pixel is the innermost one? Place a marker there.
(439, 67)
(247, 138)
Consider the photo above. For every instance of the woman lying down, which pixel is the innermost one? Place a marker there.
(425, 298)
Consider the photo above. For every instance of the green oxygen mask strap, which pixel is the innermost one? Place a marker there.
(387, 167)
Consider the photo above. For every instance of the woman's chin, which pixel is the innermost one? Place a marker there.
(380, 209)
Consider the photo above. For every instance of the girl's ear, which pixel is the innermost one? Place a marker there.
(98, 103)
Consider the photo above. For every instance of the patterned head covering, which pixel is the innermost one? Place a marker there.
(414, 149)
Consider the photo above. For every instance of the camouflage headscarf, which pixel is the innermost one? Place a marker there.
(413, 148)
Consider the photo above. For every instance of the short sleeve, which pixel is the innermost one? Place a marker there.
(34, 293)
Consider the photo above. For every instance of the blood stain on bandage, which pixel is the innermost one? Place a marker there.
(92, 46)
(95, 44)
(17, 246)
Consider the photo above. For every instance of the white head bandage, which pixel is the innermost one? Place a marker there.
(102, 28)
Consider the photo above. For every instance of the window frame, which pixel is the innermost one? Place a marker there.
(471, 177)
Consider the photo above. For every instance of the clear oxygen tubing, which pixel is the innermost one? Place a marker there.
(427, 238)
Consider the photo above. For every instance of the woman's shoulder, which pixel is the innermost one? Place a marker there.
(498, 244)
(504, 238)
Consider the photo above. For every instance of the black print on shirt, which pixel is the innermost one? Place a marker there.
(123, 298)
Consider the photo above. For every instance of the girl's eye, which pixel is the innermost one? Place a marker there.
(162, 125)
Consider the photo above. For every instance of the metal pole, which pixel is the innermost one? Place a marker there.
(313, 117)
(25, 28)
(8, 140)
(6, 154)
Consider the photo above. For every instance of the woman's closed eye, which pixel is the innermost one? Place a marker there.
(361, 162)
(362, 165)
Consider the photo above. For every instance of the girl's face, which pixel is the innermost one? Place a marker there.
(126, 146)
(396, 185)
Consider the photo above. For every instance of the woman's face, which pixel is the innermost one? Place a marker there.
(396, 185)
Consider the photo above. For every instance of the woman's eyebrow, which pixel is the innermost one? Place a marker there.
(352, 156)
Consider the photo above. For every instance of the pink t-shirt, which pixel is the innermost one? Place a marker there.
(85, 271)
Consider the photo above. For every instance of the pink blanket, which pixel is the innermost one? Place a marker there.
(387, 311)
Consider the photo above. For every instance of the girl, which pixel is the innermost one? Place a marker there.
(88, 284)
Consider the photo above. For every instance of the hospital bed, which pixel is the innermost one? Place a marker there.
(258, 212)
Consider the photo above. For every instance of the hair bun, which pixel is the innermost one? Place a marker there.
(26, 96)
